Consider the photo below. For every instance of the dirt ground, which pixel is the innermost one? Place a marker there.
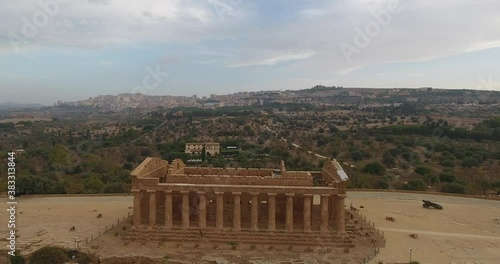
(47, 220)
(466, 231)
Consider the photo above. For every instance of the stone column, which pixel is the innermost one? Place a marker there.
(271, 206)
(202, 210)
(168, 209)
(324, 212)
(307, 212)
(254, 220)
(340, 227)
(137, 207)
(332, 205)
(236, 211)
(289, 211)
(335, 208)
(152, 207)
(185, 209)
(219, 221)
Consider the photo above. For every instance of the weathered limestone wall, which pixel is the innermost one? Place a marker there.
(177, 166)
(227, 171)
(239, 180)
(329, 173)
(296, 174)
(281, 199)
(185, 195)
(151, 168)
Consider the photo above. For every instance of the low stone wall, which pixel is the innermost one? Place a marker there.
(239, 180)
(228, 171)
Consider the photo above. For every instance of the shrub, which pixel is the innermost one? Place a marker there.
(356, 155)
(470, 162)
(17, 259)
(381, 184)
(414, 185)
(389, 160)
(453, 187)
(431, 178)
(447, 163)
(447, 177)
(114, 188)
(422, 170)
(374, 168)
(49, 254)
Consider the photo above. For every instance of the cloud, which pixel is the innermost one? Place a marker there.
(310, 13)
(272, 60)
(100, 2)
(264, 33)
(105, 62)
(348, 70)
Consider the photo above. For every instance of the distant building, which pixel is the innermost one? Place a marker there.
(210, 148)
(194, 148)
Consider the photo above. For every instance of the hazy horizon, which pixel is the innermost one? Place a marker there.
(71, 50)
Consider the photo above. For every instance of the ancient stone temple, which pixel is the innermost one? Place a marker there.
(172, 196)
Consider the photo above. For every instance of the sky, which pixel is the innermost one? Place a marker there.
(74, 49)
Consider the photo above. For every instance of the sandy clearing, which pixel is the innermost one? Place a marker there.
(409, 231)
(466, 231)
(47, 220)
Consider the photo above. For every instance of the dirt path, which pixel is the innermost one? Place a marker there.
(433, 233)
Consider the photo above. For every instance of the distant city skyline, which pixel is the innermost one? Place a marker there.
(71, 50)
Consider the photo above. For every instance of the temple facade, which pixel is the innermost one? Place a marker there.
(173, 196)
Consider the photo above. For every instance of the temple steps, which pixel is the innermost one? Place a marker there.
(244, 237)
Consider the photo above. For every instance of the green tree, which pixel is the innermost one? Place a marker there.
(431, 178)
(447, 163)
(485, 185)
(447, 177)
(59, 155)
(375, 167)
(49, 254)
(38, 184)
(357, 155)
(470, 162)
(93, 184)
(422, 170)
(128, 166)
(17, 258)
(415, 185)
(115, 187)
(381, 184)
(75, 187)
(389, 160)
(453, 187)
